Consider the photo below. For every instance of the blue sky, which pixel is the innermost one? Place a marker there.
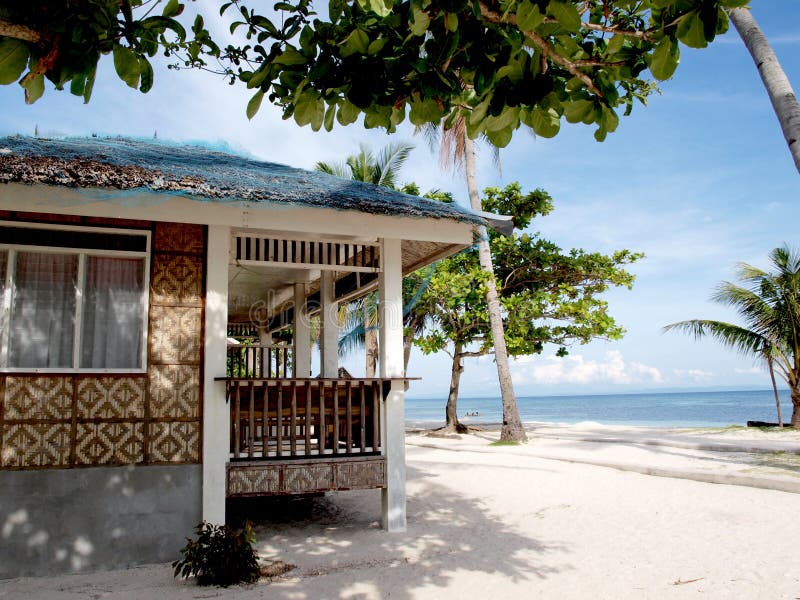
(698, 180)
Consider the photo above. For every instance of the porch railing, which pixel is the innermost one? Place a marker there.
(260, 361)
(285, 418)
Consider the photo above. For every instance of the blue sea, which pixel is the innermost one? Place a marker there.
(680, 409)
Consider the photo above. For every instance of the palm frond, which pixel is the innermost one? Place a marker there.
(338, 169)
(731, 336)
(389, 162)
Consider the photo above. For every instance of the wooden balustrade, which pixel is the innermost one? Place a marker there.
(284, 418)
(260, 361)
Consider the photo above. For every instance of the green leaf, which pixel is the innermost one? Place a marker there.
(379, 7)
(376, 46)
(309, 109)
(146, 70)
(500, 138)
(665, 59)
(578, 111)
(13, 58)
(290, 56)
(568, 16)
(355, 43)
(127, 65)
(451, 22)
(528, 16)
(330, 113)
(347, 113)
(424, 111)
(545, 123)
(87, 89)
(34, 88)
(691, 30)
(258, 77)
(172, 9)
(615, 44)
(509, 118)
(254, 104)
(420, 22)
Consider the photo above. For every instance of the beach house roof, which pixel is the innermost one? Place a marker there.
(203, 173)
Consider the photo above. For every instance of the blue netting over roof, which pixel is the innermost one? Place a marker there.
(126, 164)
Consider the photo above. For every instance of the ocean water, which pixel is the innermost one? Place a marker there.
(683, 409)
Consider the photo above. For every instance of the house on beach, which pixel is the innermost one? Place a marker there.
(155, 346)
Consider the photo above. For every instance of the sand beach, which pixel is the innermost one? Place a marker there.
(580, 511)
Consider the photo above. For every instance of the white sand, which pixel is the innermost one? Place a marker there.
(503, 522)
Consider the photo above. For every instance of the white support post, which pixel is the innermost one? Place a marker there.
(302, 333)
(329, 322)
(390, 289)
(216, 416)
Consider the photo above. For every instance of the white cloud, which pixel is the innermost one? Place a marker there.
(750, 371)
(695, 375)
(577, 369)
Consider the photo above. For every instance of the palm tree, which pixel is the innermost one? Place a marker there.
(360, 318)
(769, 305)
(780, 91)
(457, 146)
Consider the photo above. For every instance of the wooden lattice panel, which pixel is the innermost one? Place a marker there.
(29, 445)
(306, 477)
(179, 237)
(106, 443)
(177, 280)
(37, 398)
(360, 475)
(253, 481)
(174, 391)
(111, 397)
(266, 478)
(174, 442)
(175, 335)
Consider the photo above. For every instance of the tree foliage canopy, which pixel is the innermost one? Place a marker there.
(548, 296)
(498, 64)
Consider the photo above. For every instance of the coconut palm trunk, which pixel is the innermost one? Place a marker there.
(780, 91)
(512, 425)
(775, 391)
(451, 410)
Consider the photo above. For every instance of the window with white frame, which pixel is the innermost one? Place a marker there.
(73, 298)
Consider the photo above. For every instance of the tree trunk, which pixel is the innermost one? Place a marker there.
(795, 391)
(775, 391)
(451, 411)
(370, 349)
(512, 426)
(780, 91)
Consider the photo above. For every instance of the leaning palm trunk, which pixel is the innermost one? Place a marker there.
(795, 393)
(780, 91)
(775, 391)
(512, 425)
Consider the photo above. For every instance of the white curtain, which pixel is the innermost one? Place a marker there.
(42, 324)
(113, 315)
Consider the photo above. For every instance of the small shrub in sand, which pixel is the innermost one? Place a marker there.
(219, 556)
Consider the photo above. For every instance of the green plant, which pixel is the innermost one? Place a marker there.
(220, 556)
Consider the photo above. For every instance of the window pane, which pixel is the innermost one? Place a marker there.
(113, 313)
(42, 325)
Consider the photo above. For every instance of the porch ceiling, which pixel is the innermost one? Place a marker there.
(253, 289)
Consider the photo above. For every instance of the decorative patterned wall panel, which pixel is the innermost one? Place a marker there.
(307, 478)
(175, 442)
(106, 443)
(111, 397)
(175, 335)
(179, 237)
(243, 481)
(80, 419)
(28, 445)
(358, 475)
(174, 391)
(38, 398)
(177, 280)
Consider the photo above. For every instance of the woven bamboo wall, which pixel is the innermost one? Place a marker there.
(77, 420)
